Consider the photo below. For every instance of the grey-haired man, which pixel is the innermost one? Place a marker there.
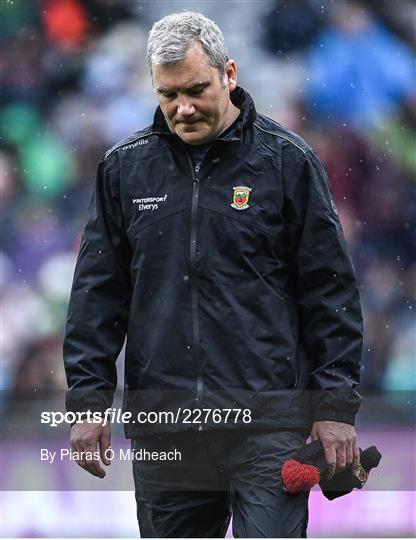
(213, 243)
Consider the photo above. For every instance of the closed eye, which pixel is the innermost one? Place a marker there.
(196, 91)
(192, 91)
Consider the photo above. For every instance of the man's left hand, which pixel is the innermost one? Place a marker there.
(340, 444)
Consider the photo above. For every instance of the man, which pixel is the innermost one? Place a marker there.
(213, 242)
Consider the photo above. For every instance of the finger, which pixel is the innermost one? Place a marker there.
(92, 470)
(93, 466)
(356, 455)
(105, 444)
(330, 471)
(85, 456)
(78, 452)
(331, 459)
(95, 470)
(92, 461)
(81, 463)
(349, 454)
(341, 459)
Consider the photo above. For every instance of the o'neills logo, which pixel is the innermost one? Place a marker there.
(241, 196)
(135, 144)
(150, 203)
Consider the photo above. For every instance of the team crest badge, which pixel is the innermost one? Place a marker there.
(241, 196)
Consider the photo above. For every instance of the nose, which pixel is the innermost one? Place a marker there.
(185, 109)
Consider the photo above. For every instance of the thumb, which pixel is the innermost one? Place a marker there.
(105, 444)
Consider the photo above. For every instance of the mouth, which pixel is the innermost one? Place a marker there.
(188, 124)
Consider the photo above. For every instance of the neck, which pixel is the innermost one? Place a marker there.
(231, 116)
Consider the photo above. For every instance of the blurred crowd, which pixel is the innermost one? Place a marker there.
(75, 81)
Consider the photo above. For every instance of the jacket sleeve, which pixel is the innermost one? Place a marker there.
(99, 303)
(327, 296)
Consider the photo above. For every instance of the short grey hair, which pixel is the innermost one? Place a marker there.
(172, 36)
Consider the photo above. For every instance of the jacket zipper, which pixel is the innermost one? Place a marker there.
(194, 286)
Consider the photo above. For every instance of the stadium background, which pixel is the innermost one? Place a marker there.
(74, 81)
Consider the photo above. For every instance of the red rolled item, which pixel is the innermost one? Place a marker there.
(299, 476)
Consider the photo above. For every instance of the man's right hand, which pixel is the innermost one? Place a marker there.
(86, 437)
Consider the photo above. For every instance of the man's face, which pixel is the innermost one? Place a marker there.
(193, 98)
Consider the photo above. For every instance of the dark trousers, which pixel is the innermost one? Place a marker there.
(220, 473)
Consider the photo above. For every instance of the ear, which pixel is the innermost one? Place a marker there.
(231, 74)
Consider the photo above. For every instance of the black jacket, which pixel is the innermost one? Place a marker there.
(232, 283)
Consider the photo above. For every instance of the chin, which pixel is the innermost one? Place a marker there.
(193, 138)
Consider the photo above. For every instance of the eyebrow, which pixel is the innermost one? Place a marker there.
(192, 86)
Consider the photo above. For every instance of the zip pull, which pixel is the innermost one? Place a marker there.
(197, 168)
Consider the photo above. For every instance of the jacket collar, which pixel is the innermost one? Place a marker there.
(240, 98)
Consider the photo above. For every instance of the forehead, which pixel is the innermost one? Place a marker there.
(193, 69)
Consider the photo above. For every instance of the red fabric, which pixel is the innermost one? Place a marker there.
(298, 476)
(65, 21)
